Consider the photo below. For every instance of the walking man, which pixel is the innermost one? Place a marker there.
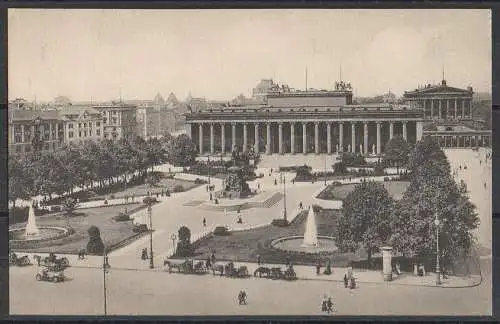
(204, 222)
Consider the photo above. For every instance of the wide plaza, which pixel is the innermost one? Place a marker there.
(135, 290)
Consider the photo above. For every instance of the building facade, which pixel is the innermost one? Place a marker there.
(303, 122)
(34, 130)
(119, 120)
(448, 109)
(81, 124)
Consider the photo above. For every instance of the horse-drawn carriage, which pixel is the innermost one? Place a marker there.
(229, 269)
(186, 265)
(19, 261)
(276, 273)
(53, 261)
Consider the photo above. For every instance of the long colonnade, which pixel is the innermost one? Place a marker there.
(447, 108)
(461, 141)
(300, 137)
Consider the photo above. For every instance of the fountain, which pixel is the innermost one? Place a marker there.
(311, 233)
(31, 228)
(310, 242)
(32, 235)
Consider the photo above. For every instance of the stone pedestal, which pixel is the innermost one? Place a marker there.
(387, 263)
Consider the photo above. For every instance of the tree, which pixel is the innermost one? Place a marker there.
(433, 191)
(184, 247)
(396, 152)
(352, 159)
(365, 218)
(20, 181)
(182, 151)
(95, 245)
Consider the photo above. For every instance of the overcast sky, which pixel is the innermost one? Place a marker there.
(219, 54)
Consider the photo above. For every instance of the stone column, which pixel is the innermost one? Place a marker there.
(341, 136)
(189, 131)
(233, 136)
(212, 149)
(22, 133)
(405, 133)
(50, 132)
(256, 138)
(463, 108)
(268, 139)
(223, 137)
(245, 137)
(365, 142)
(328, 138)
(292, 137)
(304, 138)
(432, 108)
(440, 107)
(316, 137)
(391, 130)
(200, 127)
(387, 262)
(456, 106)
(419, 131)
(280, 137)
(353, 137)
(379, 137)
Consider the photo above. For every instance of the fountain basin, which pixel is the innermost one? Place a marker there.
(18, 239)
(295, 244)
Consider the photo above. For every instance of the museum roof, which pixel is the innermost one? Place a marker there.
(439, 88)
(29, 115)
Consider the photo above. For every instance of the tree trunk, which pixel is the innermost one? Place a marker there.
(369, 257)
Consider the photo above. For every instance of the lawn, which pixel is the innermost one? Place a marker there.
(395, 189)
(112, 232)
(244, 246)
(142, 189)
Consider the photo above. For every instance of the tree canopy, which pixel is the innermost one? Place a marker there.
(365, 219)
(396, 152)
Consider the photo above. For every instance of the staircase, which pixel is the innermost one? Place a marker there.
(273, 200)
(317, 162)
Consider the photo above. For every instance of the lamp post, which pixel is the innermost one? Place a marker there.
(208, 169)
(284, 196)
(150, 214)
(438, 272)
(325, 169)
(173, 237)
(105, 271)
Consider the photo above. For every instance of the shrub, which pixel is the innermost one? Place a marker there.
(379, 170)
(122, 217)
(140, 228)
(184, 247)
(339, 168)
(149, 200)
(18, 214)
(280, 222)
(95, 245)
(56, 208)
(199, 181)
(178, 188)
(221, 230)
(111, 196)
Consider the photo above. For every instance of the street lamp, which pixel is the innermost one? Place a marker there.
(105, 271)
(325, 169)
(208, 169)
(284, 196)
(438, 272)
(149, 202)
(173, 237)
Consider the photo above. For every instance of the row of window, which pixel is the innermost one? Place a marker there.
(27, 128)
(18, 137)
(85, 133)
(97, 124)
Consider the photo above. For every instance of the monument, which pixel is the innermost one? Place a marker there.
(31, 227)
(387, 263)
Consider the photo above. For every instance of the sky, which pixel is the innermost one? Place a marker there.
(219, 54)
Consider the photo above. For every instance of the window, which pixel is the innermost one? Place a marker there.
(90, 132)
(115, 135)
(104, 120)
(84, 124)
(46, 146)
(98, 132)
(114, 129)
(97, 124)
(17, 129)
(70, 126)
(80, 134)
(70, 134)
(60, 127)
(114, 113)
(18, 148)
(85, 133)
(18, 138)
(46, 136)
(79, 125)
(114, 120)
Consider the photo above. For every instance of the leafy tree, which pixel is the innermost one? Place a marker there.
(303, 173)
(352, 159)
(95, 245)
(396, 152)
(182, 151)
(20, 182)
(184, 247)
(365, 218)
(433, 191)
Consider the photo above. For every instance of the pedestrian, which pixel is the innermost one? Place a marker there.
(324, 304)
(300, 205)
(208, 263)
(133, 197)
(329, 304)
(287, 261)
(258, 260)
(213, 256)
(275, 182)
(258, 186)
(207, 188)
(318, 268)
(211, 196)
(353, 283)
(144, 255)
(346, 281)
(157, 195)
(204, 222)
(485, 185)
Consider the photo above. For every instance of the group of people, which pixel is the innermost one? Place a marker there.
(327, 305)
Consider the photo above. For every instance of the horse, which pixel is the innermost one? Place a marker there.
(218, 267)
(261, 271)
(185, 265)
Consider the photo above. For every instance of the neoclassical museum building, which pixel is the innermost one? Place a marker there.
(280, 120)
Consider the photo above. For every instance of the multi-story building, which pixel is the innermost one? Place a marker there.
(82, 123)
(448, 114)
(119, 120)
(312, 121)
(34, 130)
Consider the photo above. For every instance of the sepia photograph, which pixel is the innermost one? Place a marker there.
(250, 162)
